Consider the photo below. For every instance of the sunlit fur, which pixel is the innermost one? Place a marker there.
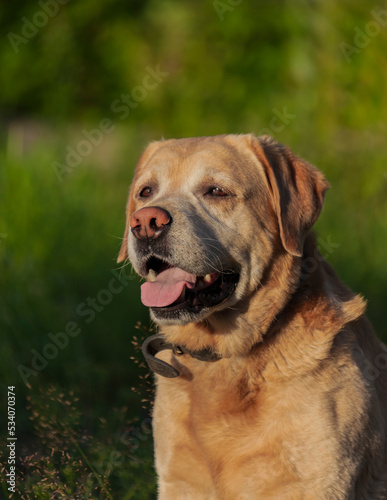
(297, 406)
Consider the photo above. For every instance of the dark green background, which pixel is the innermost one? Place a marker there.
(310, 73)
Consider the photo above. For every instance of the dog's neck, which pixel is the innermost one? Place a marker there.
(236, 330)
(157, 343)
(290, 294)
(289, 288)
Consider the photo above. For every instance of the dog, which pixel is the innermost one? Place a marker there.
(271, 383)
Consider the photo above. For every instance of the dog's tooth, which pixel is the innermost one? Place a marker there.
(207, 278)
(152, 275)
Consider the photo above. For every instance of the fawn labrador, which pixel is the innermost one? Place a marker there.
(271, 383)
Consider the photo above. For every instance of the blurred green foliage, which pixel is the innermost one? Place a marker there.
(310, 73)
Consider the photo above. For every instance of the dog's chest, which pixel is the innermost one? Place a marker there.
(220, 427)
(225, 429)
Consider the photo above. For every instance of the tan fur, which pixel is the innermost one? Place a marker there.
(297, 406)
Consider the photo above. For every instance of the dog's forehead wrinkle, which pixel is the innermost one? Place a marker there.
(176, 166)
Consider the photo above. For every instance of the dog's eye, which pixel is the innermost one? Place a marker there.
(216, 191)
(145, 192)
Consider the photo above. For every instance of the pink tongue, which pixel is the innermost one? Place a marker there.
(167, 288)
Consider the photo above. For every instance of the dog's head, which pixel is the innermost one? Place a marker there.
(205, 216)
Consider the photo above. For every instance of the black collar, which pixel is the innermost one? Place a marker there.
(156, 343)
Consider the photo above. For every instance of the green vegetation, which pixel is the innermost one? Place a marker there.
(81, 95)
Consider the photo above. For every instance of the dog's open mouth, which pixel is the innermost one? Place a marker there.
(170, 288)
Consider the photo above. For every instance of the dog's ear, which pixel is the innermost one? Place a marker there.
(150, 150)
(123, 253)
(297, 190)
